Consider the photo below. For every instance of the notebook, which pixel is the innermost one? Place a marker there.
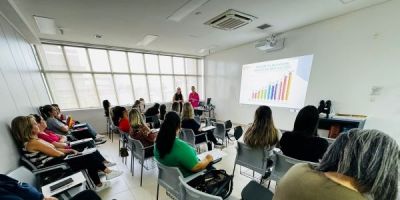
(70, 122)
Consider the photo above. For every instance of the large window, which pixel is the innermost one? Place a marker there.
(81, 77)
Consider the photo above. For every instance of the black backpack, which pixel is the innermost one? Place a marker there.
(214, 182)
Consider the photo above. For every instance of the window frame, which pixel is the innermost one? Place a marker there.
(44, 71)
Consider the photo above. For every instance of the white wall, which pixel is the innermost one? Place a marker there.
(352, 53)
(21, 88)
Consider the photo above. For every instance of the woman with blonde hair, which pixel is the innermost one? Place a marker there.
(189, 123)
(140, 131)
(262, 132)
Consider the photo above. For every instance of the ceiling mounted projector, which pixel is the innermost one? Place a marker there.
(271, 43)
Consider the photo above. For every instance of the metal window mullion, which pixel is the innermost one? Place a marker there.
(147, 81)
(41, 63)
(92, 74)
(70, 76)
(130, 76)
(159, 71)
(173, 75)
(112, 77)
(184, 74)
(197, 80)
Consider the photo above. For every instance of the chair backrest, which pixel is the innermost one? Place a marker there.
(238, 132)
(219, 131)
(282, 164)
(168, 178)
(210, 121)
(255, 159)
(136, 147)
(197, 119)
(188, 136)
(156, 121)
(228, 124)
(189, 193)
(330, 140)
(22, 174)
(123, 135)
(149, 119)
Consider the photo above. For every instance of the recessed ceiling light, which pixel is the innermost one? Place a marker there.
(98, 36)
(346, 1)
(147, 40)
(186, 9)
(46, 25)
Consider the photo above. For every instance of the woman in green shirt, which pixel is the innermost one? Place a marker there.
(171, 151)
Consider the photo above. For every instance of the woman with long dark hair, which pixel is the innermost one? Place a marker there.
(171, 151)
(303, 142)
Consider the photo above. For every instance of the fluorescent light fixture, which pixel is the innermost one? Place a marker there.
(186, 9)
(147, 40)
(46, 25)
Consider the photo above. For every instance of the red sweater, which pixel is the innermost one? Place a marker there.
(124, 125)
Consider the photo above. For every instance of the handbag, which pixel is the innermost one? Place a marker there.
(214, 182)
(123, 152)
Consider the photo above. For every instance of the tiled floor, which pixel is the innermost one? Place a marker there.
(128, 186)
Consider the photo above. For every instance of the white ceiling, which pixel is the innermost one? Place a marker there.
(123, 23)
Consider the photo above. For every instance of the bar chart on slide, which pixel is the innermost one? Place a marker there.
(280, 83)
(276, 91)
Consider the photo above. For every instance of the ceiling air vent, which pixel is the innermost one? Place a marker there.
(230, 20)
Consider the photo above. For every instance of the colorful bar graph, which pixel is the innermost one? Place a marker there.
(274, 91)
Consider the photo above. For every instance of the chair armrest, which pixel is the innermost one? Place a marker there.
(62, 166)
(151, 146)
(193, 176)
(201, 134)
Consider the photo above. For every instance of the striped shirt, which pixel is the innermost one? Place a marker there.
(38, 159)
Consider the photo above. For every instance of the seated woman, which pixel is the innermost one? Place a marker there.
(140, 131)
(189, 123)
(171, 151)
(262, 132)
(59, 141)
(11, 189)
(120, 118)
(303, 142)
(360, 164)
(50, 113)
(43, 154)
(153, 111)
(176, 107)
(163, 111)
(90, 129)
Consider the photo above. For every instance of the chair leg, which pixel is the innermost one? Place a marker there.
(141, 174)
(269, 183)
(158, 188)
(132, 164)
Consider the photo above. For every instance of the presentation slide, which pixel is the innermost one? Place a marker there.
(276, 83)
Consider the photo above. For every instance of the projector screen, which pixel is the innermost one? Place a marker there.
(276, 83)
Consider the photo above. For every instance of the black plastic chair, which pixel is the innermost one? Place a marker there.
(254, 190)
(237, 132)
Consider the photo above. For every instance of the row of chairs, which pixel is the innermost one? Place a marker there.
(257, 160)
